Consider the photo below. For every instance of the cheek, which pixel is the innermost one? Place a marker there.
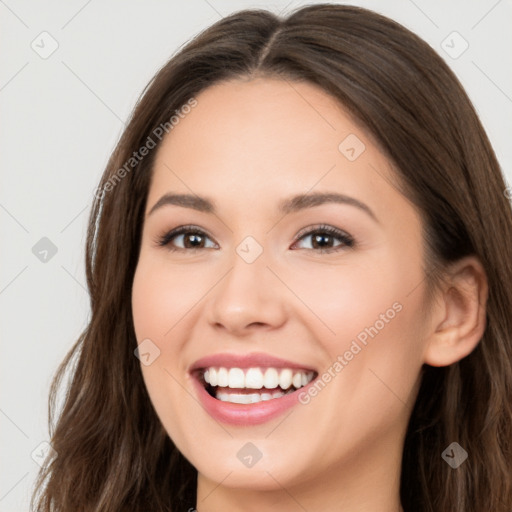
(158, 305)
(378, 294)
(369, 313)
(162, 296)
(343, 299)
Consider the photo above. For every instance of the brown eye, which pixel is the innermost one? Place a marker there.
(185, 238)
(323, 239)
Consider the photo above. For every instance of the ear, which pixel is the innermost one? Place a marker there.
(459, 317)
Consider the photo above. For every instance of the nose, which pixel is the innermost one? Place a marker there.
(248, 297)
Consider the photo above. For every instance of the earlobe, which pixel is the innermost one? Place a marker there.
(460, 314)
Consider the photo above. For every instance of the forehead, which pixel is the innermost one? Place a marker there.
(254, 142)
(264, 115)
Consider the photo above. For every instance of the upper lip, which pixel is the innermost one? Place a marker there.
(253, 360)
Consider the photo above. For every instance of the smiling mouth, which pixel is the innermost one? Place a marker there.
(252, 385)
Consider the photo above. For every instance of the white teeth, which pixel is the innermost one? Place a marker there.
(222, 378)
(257, 378)
(251, 398)
(271, 379)
(254, 378)
(285, 379)
(237, 398)
(236, 378)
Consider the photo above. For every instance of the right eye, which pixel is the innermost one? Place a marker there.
(191, 237)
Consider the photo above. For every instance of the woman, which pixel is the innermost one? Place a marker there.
(300, 286)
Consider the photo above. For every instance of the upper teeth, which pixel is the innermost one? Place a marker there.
(256, 378)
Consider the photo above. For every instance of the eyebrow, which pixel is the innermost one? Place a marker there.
(290, 205)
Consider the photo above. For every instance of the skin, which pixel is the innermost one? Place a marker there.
(247, 145)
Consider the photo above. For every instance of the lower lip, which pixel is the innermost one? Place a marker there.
(246, 414)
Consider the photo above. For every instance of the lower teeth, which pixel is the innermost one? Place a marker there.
(250, 398)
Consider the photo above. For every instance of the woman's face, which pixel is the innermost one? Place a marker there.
(277, 291)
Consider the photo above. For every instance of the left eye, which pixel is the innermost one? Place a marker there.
(322, 239)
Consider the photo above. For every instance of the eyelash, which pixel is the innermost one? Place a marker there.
(347, 240)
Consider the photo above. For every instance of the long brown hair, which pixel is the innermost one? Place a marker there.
(112, 453)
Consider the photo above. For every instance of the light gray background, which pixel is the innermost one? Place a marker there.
(60, 119)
